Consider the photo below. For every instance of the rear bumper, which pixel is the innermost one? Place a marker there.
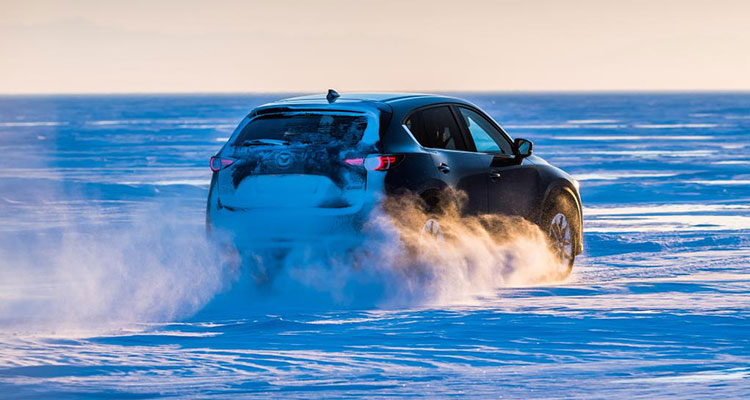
(283, 227)
(288, 226)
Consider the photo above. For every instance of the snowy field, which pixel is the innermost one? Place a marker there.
(108, 288)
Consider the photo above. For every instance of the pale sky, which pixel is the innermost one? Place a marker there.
(134, 46)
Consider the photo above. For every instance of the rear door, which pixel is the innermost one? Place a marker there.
(437, 130)
(512, 185)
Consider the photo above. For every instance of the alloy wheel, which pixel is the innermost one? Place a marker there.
(432, 229)
(561, 237)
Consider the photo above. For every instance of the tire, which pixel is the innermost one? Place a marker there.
(432, 229)
(561, 224)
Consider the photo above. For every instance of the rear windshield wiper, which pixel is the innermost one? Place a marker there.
(264, 142)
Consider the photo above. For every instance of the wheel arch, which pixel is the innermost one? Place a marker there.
(434, 194)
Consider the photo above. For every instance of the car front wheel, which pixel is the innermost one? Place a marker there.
(561, 226)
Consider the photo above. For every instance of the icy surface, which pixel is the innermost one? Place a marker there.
(108, 289)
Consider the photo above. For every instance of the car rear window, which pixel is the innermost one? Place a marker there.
(303, 128)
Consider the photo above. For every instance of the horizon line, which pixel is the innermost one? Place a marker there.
(230, 93)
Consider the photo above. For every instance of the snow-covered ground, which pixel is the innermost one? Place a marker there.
(109, 290)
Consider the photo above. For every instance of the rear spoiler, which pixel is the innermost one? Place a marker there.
(276, 110)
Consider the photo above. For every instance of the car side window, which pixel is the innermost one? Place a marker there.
(436, 128)
(487, 138)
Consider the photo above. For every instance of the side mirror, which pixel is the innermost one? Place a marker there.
(522, 147)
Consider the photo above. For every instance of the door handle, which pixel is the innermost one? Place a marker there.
(444, 168)
(495, 175)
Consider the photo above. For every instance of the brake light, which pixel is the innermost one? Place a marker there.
(218, 163)
(381, 162)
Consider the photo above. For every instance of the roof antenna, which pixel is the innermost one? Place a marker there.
(332, 95)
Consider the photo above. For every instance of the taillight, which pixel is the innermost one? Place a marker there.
(218, 163)
(375, 162)
(381, 162)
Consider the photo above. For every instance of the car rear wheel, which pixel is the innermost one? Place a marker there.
(432, 230)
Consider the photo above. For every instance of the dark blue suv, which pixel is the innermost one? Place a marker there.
(325, 162)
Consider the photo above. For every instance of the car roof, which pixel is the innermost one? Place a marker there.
(375, 97)
(393, 102)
